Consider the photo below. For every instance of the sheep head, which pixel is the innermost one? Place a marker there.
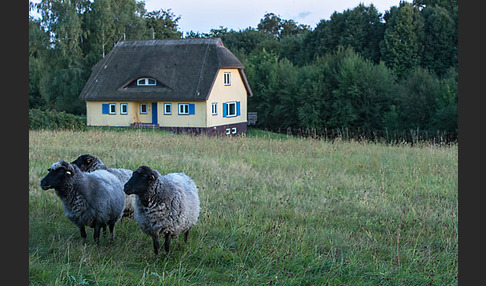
(141, 179)
(59, 173)
(88, 163)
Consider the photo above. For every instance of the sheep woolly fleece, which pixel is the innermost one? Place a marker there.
(89, 163)
(172, 206)
(93, 199)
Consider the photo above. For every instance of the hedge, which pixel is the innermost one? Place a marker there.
(52, 119)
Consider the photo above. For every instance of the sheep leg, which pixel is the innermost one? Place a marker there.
(104, 230)
(156, 244)
(167, 242)
(83, 233)
(112, 227)
(186, 235)
(96, 235)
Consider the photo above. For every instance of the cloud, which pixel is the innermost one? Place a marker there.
(303, 14)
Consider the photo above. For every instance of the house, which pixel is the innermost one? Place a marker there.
(182, 85)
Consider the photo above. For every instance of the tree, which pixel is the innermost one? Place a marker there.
(279, 28)
(100, 24)
(270, 24)
(274, 84)
(62, 85)
(446, 113)
(417, 99)
(245, 41)
(162, 24)
(359, 28)
(363, 93)
(402, 47)
(38, 43)
(440, 40)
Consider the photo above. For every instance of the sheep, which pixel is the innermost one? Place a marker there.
(167, 205)
(90, 163)
(93, 199)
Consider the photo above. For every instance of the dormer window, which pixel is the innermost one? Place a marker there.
(146, 81)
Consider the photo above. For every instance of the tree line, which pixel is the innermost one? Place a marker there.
(359, 69)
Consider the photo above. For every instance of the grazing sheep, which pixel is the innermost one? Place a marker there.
(93, 199)
(89, 163)
(167, 205)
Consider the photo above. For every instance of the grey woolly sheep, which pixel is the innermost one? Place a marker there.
(164, 205)
(93, 199)
(89, 163)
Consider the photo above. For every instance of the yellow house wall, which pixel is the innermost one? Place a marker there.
(198, 119)
(95, 116)
(221, 93)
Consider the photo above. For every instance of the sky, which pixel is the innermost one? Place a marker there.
(202, 16)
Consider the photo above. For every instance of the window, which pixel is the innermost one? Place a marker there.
(143, 108)
(108, 108)
(146, 81)
(231, 109)
(214, 108)
(227, 78)
(123, 108)
(167, 108)
(186, 108)
(112, 108)
(230, 131)
(183, 108)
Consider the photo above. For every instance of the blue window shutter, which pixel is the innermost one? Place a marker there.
(238, 113)
(192, 109)
(225, 110)
(105, 108)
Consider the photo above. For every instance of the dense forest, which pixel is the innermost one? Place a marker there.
(359, 69)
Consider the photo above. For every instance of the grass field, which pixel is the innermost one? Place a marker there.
(274, 211)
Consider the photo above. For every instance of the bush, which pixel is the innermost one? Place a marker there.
(52, 119)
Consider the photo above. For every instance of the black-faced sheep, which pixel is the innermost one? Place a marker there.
(93, 199)
(164, 205)
(89, 163)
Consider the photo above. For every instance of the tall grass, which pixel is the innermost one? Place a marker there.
(280, 211)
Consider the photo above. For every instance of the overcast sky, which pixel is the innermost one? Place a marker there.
(202, 16)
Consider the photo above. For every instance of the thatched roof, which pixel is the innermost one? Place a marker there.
(185, 69)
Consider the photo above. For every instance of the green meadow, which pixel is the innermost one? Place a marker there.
(275, 210)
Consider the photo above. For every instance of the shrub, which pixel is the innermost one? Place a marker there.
(52, 119)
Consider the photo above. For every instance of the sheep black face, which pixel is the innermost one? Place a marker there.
(59, 173)
(88, 162)
(140, 181)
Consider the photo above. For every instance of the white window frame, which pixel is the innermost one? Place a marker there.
(227, 78)
(214, 108)
(123, 106)
(228, 109)
(112, 108)
(183, 106)
(145, 81)
(169, 105)
(146, 108)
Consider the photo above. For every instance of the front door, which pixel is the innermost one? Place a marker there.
(154, 113)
